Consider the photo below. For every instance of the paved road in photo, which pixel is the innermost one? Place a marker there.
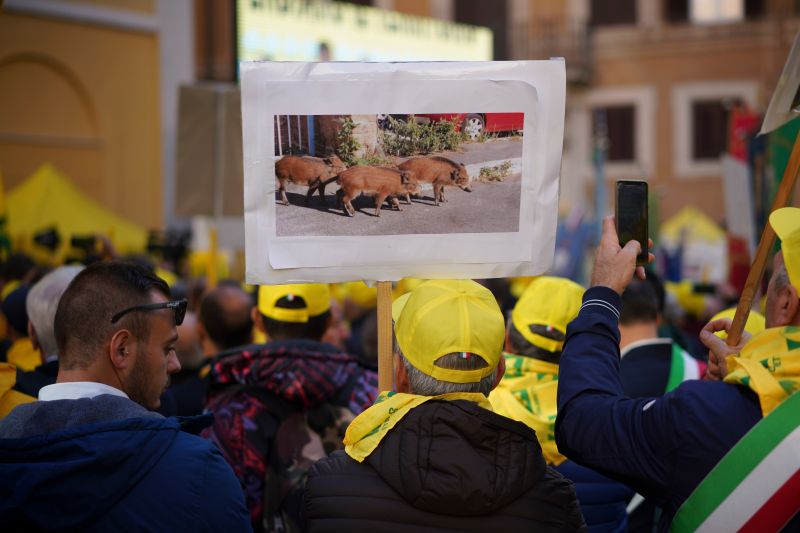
(490, 207)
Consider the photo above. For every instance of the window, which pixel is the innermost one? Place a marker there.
(492, 15)
(700, 127)
(676, 11)
(606, 13)
(709, 129)
(620, 126)
(712, 11)
(715, 11)
(629, 113)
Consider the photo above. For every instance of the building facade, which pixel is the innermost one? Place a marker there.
(662, 75)
(91, 86)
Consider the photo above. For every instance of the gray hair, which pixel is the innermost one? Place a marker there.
(425, 385)
(42, 303)
(781, 277)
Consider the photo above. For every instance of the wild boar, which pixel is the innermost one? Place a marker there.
(306, 170)
(327, 182)
(380, 182)
(439, 171)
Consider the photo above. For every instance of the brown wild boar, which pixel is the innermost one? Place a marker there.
(324, 183)
(306, 170)
(382, 183)
(439, 171)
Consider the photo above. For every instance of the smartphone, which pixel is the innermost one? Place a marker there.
(631, 215)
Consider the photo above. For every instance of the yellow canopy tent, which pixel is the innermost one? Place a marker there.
(49, 199)
(705, 252)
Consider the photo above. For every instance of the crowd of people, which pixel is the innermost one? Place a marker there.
(127, 403)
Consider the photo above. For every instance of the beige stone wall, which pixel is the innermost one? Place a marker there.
(86, 99)
(366, 133)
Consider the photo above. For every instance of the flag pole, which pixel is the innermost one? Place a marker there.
(782, 199)
(384, 335)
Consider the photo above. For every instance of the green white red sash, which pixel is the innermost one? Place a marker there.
(756, 486)
(683, 367)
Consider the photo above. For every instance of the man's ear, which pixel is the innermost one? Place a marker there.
(34, 338)
(201, 332)
(793, 306)
(257, 320)
(786, 306)
(120, 349)
(500, 372)
(400, 375)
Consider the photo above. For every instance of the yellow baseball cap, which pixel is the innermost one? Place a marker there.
(786, 223)
(547, 301)
(359, 293)
(317, 298)
(518, 285)
(755, 322)
(440, 317)
(683, 291)
(404, 286)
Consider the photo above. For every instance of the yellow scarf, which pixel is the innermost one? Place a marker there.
(769, 365)
(367, 430)
(527, 393)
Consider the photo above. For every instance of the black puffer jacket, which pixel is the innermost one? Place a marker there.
(445, 466)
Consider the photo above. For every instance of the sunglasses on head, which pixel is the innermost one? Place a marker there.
(179, 306)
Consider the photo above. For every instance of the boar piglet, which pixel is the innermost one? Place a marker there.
(439, 171)
(306, 170)
(379, 182)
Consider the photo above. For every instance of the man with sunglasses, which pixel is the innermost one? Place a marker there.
(91, 455)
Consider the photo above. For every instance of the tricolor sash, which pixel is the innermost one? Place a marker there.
(682, 367)
(756, 486)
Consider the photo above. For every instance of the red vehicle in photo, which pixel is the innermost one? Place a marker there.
(476, 124)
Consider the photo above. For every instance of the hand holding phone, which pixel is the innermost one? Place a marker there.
(631, 215)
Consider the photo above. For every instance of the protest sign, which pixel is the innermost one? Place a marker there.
(311, 220)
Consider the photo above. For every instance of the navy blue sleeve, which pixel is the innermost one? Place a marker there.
(631, 440)
(222, 501)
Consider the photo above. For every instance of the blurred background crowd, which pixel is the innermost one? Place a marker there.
(120, 138)
(120, 130)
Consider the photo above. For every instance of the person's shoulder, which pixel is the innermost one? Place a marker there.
(338, 463)
(703, 406)
(194, 458)
(552, 502)
(712, 394)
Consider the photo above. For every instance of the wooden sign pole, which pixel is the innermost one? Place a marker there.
(782, 199)
(385, 336)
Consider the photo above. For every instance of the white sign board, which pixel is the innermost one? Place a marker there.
(499, 227)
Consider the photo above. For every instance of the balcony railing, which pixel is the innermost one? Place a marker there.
(543, 40)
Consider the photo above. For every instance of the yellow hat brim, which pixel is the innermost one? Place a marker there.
(398, 305)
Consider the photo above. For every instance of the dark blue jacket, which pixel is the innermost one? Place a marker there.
(662, 447)
(107, 464)
(603, 501)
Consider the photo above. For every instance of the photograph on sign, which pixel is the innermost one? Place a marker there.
(400, 169)
(411, 181)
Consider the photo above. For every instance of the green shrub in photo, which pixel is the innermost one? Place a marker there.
(346, 144)
(405, 138)
(495, 173)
